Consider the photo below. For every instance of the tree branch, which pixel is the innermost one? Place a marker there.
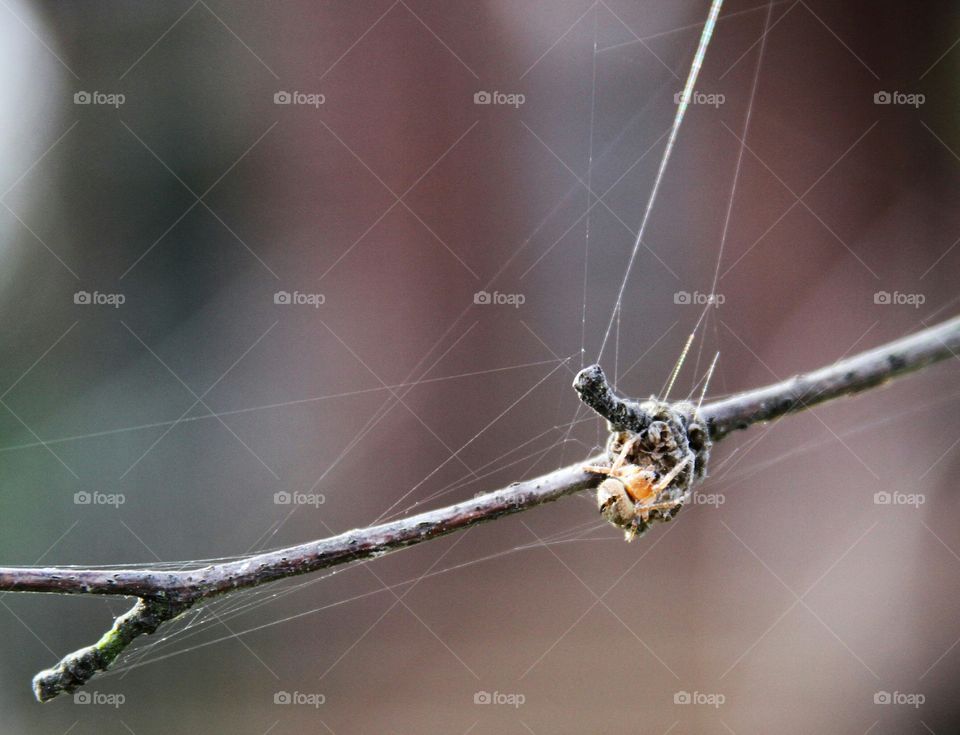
(844, 378)
(163, 595)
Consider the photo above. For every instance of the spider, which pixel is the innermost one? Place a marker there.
(629, 494)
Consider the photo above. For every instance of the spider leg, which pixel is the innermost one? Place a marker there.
(644, 510)
(669, 477)
(624, 452)
(666, 505)
(596, 469)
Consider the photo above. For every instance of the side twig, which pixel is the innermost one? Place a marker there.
(163, 595)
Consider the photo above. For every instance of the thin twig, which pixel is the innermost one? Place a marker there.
(844, 378)
(163, 595)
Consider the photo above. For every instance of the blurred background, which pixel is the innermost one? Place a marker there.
(275, 271)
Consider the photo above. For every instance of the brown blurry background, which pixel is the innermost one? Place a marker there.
(798, 601)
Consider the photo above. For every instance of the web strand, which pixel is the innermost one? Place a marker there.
(688, 90)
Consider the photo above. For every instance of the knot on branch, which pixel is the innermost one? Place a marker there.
(77, 668)
(657, 452)
(685, 425)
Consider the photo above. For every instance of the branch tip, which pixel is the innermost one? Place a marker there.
(77, 668)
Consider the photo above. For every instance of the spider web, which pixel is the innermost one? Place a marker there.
(235, 617)
(204, 625)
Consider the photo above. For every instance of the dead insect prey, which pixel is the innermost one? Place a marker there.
(658, 452)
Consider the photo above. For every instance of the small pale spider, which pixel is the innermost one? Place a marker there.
(630, 493)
